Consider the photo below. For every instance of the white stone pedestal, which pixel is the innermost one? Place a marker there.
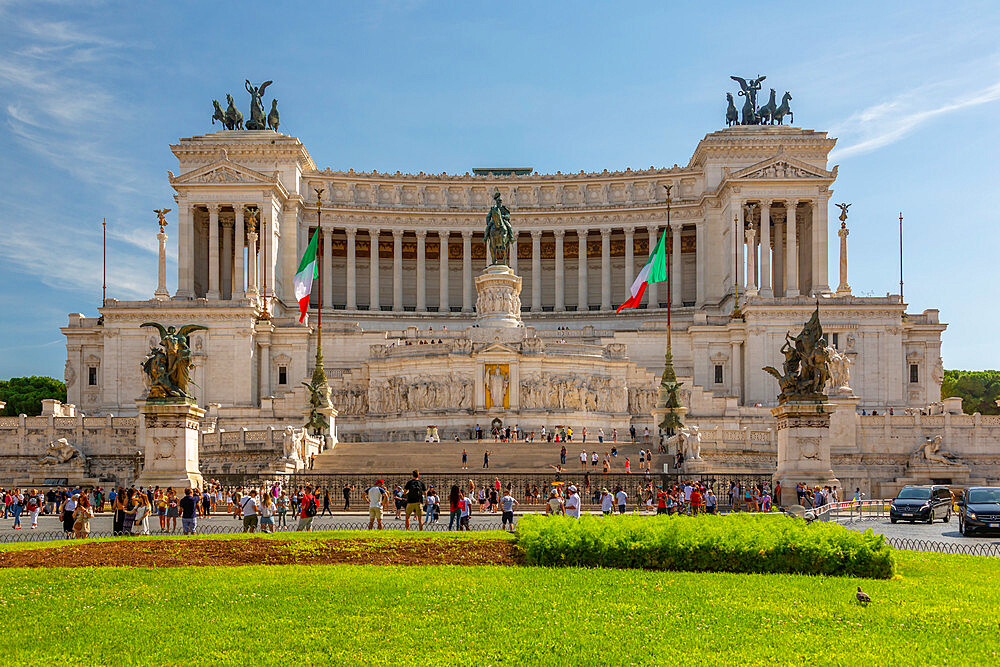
(168, 436)
(844, 424)
(803, 447)
(499, 301)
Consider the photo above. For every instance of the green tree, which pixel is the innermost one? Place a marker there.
(24, 395)
(979, 390)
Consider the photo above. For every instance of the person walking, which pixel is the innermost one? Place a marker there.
(507, 504)
(81, 518)
(466, 504)
(607, 503)
(431, 507)
(307, 512)
(281, 509)
(347, 496)
(250, 509)
(34, 506)
(455, 508)
(378, 498)
(173, 511)
(562, 456)
(267, 510)
(326, 503)
(621, 499)
(17, 507)
(573, 503)
(68, 506)
(711, 502)
(583, 460)
(486, 459)
(415, 490)
(465, 459)
(142, 513)
(189, 512)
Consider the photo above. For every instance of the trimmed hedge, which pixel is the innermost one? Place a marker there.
(731, 543)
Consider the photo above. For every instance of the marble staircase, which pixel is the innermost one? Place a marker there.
(350, 457)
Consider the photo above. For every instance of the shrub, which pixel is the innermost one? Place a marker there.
(732, 543)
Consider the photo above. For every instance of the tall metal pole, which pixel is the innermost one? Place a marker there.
(901, 257)
(670, 276)
(104, 250)
(319, 264)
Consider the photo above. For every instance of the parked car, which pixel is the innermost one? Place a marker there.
(921, 503)
(979, 510)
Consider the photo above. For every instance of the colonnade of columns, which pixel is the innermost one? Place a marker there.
(768, 246)
(533, 301)
(229, 262)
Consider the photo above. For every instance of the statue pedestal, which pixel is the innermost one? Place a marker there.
(803, 447)
(499, 303)
(168, 435)
(330, 437)
(844, 424)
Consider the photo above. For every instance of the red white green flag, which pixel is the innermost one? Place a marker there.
(308, 271)
(655, 271)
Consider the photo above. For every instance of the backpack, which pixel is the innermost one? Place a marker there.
(310, 509)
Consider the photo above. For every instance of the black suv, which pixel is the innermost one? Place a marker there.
(921, 503)
(980, 509)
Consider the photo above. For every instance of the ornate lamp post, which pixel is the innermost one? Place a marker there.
(668, 408)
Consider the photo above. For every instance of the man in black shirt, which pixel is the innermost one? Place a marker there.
(189, 520)
(415, 490)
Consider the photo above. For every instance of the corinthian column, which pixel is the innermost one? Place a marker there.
(239, 241)
(443, 305)
(654, 300)
(765, 249)
(421, 271)
(751, 238)
(466, 270)
(213, 252)
(843, 288)
(397, 270)
(373, 297)
(161, 293)
(821, 275)
(629, 262)
(791, 250)
(226, 261)
(675, 265)
(352, 269)
(252, 262)
(605, 269)
(512, 261)
(560, 272)
(581, 283)
(185, 250)
(327, 273)
(536, 270)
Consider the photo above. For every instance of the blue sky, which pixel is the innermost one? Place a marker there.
(91, 94)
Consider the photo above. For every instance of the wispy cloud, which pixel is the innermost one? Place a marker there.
(887, 122)
(60, 107)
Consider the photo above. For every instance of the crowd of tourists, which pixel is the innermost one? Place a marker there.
(509, 434)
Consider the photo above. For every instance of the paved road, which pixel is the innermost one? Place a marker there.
(937, 532)
(102, 522)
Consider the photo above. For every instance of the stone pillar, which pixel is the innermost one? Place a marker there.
(397, 270)
(467, 271)
(791, 249)
(326, 269)
(213, 252)
(226, 262)
(765, 249)
(512, 260)
(560, 272)
(605, 269)
(751, 239)
(421, 270)
(739, 221)
(700, 264)
(352, 269)
(736, 368)
(629, 262)
(843, 288)
(819, 240)
(373, 296)
(168, 434)
(536, 270)
(185, 250)
(778, 258)
(265, 367)
(581, 282)
(252, 263)
(654, 297)
(161, 293)
(675, 266)
(443, 305)
(239, 243)
(803, 447)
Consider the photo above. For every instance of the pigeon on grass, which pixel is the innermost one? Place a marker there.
(862, 597)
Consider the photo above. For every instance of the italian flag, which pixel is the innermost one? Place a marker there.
(308, 271)
(655, 271)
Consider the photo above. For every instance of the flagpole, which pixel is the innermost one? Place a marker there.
(319, 268)
(104, 251)
(900, 257)
(670, 276)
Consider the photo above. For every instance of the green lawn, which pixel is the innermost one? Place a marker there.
(942, 609)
